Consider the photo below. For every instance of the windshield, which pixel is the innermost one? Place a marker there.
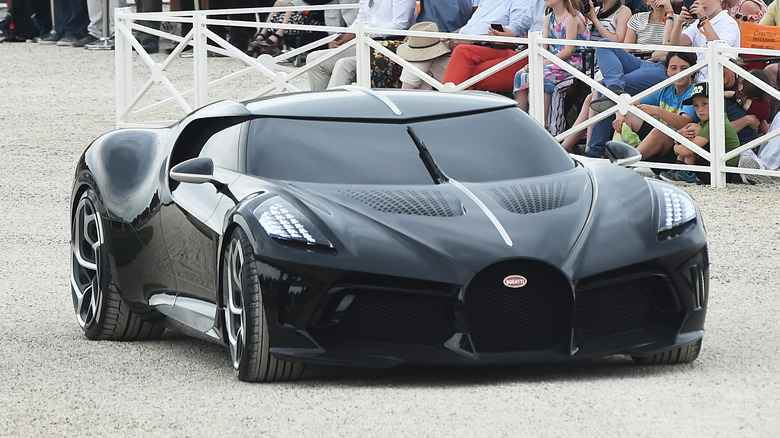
(493, 146)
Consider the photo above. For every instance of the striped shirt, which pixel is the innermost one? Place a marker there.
(646, 32)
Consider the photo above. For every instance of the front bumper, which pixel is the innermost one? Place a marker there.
(352, 319)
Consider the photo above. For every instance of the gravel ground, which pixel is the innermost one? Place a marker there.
(57, 383)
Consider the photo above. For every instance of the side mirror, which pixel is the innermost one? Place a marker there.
(622, 154)
(195, 170)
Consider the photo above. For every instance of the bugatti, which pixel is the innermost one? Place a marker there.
(378, 228)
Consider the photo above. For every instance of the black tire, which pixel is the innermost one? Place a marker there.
(246, 325)
(684, 354)
(100, 310)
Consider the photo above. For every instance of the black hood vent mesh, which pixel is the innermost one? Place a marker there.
(532, 198)
(409, 202)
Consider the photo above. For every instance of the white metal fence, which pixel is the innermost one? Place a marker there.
(135, 105)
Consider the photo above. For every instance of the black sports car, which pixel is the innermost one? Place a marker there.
(377, 228)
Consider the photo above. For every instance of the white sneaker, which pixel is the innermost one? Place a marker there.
(748, 161)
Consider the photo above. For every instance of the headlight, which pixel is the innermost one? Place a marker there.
(677, 211)
(281, 220)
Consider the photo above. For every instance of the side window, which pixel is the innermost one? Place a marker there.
(222, 147)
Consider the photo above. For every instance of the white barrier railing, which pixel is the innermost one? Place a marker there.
(277, 76)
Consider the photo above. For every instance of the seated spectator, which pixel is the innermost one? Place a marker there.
(768, 158)
(265, 43)
(380, 14)
(713, 24)
(449, 15)
(430, 52)
(515, 17)
(657, 146)
(468, 60)
(340, 17)
(699, 134)
(563, 22)
(608, 20)
(665, 104)
(651, 28)
(753, 99)
(744, 10)
(771, 18)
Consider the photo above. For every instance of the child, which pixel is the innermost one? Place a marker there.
(665, 104)
(753, 99)
(563, 22)
(699, 133)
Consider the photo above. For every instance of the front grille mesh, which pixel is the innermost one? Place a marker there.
(532, 198)
(617, 308)
(534, 317)
(410, 202)
(392, 317)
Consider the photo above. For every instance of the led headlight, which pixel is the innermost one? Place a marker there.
(281, 220)
(677, 208)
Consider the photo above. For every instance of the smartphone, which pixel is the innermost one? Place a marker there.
(688, 4)
(498, 27)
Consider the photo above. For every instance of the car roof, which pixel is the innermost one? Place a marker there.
(355, 103)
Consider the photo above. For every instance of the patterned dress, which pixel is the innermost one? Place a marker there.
(737, 10)
(552, 73)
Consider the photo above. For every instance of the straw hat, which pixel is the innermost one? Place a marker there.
(418, 48)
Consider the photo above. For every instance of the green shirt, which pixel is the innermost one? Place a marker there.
(732, 140)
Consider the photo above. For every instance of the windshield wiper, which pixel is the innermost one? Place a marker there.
(436, 173)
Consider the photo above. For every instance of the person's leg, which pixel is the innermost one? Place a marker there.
(410, 80)
(150, 42)
(656, 143)
(600, 134)
(500, 81)
(647, 75)
(462, 61)
(614, 64)
(319, 75)
(95, 11)
(343, 72)
(569, 142)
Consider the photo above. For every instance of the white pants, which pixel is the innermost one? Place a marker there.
(320, 75)
(433, 67)
(95, 10)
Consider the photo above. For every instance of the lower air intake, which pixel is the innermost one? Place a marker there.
(536, 316)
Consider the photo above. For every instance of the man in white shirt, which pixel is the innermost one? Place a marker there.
(380, 14)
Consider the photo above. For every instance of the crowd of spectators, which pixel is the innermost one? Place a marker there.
(682, 106)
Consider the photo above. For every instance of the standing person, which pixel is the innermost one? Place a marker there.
(70, 25)
(563, 22)
(150, 43)
(95, 28)
(699, 134)
(380, 14)
(713, 24)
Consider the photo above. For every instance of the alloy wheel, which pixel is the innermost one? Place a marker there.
(87, 240)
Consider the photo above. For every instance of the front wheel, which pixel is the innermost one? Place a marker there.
(100, 310)
(683, 354)
(245, 318)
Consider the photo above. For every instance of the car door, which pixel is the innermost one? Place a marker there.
(191, 229)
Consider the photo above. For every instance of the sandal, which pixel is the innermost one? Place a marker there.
(268, 42)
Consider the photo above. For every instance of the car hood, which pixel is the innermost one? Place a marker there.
(452, 227)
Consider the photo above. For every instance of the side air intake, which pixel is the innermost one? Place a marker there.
(409, 202)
